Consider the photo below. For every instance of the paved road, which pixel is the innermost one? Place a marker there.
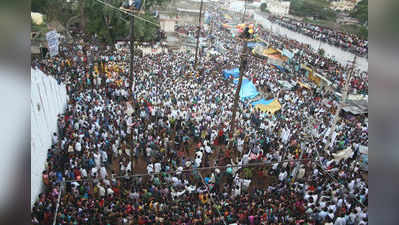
(338, 54)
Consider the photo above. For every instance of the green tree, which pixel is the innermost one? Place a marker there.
(144, 31)
(263, 7)
(39, 6)
(103, 21)
(319, 9)
(58, 10)
(110, 24)
(361, 11)
(364, 33)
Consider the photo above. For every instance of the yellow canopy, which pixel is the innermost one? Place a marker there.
(227, 17)
(270, 51)
(271, 108)
(303, 85)
(226, 25)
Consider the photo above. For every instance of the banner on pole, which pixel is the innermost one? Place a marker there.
(53, 43)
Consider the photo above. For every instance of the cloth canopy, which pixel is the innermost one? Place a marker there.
(231, 73)
(244, 81)
(254, 44)
(343, 154)
(248, 90)
(271, 106)
(303, 85)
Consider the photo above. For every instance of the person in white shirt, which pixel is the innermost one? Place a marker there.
(54, 139)
(150, 168)
(83, 172)
(282, 176)
(104, 156)
(323, 214)
(199, 155)
(94, 172)
(103, 172)
(157, 167)
(110, 191)
(101, 190)
(340, 220)
(78, 146)
(208, 149)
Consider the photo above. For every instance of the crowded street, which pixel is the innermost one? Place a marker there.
(157, 148)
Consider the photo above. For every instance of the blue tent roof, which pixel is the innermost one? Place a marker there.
(262, 102)
(231, 73)
(244, 81)
(137, 4)
(279, 67)
(248, 90)
(254, 44)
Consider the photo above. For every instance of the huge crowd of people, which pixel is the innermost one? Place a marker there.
(327, 67)
(155, 147)
(347, 41)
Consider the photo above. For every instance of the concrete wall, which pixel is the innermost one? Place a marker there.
(168, 25)
(48, 99)
(279, 8)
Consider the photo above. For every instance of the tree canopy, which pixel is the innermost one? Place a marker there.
(109, 24)
(263, 7)
(361, 11)
(319, 9)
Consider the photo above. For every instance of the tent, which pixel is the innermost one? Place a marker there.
(254, 44)
(231, 73)
(286, 85)
(244, 81)
(343, 154)
(288, 53)
(356, 104)
(271, 106)
(279, 67)
(248, 90)
(304, 85)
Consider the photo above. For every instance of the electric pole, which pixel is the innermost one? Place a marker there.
(340, 105)
(132, 50)
(245, 10)
(243, 66)
(198, 35)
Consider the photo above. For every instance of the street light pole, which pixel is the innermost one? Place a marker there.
(199, 31)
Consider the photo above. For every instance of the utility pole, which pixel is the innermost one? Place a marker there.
(245, 11)
(199, 31)
(237, 94)
(243, 66)
(270, 35)
(340, 105)
(132, 51)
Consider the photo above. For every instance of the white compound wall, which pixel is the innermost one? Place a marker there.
(48, 99)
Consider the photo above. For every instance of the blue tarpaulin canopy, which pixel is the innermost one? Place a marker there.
(231, 73)
(254, 44)
(279, 67)
(248, 90)
(136, 3)
(288, 53)
(244, 80)
(262, 102)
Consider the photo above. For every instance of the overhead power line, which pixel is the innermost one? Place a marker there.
(127, 12)
(194, 169)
